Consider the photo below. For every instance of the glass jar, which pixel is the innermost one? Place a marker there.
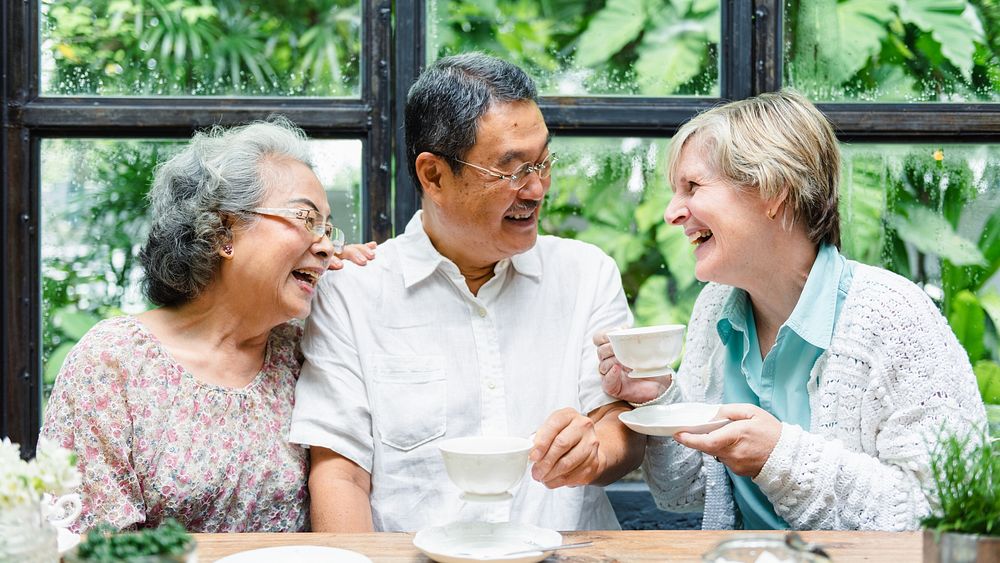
(760, 549)
(26, 536)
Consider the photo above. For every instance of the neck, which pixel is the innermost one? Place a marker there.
(776, 291)
(473, 268)
(215, 320)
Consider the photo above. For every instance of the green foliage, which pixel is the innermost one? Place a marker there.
(920, 50)
(202, 47)
(988, 377)
(966, 477)
(648, 47)
(103, 543)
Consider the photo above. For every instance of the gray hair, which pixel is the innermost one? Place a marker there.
(772, 143)
(202, 194)
(444, 106)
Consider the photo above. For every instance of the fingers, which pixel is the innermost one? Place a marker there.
(335, 263)
(713, 443)
(566, 450)
(601, 338)
(738, 411)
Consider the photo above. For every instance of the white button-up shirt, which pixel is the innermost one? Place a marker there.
(400, 355)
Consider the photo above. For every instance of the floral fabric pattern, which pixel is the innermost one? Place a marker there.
(154, 442)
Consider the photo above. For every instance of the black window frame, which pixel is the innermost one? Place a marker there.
(393, 53)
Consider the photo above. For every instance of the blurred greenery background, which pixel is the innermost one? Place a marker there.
(928, 212)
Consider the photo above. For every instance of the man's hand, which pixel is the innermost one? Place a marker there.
(615, 379)
(566, 452)
(745, 444)
(360, 254)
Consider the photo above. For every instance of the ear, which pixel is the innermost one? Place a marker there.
(432, 170)
(775, 203)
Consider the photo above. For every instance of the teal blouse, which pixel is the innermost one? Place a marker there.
(777, 383)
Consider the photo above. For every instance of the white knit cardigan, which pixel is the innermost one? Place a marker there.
(893, 376)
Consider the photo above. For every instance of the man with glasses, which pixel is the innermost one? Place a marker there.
(468, 324)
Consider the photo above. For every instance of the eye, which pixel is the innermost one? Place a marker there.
(692, 186)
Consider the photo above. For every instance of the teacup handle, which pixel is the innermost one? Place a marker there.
(64, 510)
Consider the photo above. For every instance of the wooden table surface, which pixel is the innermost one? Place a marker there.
(660, 545)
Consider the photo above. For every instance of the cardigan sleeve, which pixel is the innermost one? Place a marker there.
(900, 373)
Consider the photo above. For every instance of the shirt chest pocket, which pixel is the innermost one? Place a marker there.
(410, 400)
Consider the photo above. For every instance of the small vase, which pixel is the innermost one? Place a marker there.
(26, 535)
(960, 548)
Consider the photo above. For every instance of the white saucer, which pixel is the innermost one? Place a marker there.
(461, 542)
(296, 554)
(66, 540)
(643, 373)
(667, 420)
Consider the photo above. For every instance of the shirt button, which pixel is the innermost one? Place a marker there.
(491, 385)
(482, 312)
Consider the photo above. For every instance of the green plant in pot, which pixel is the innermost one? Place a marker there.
(965, 527)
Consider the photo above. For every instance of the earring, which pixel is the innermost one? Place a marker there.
(228, 249)
(771, 213)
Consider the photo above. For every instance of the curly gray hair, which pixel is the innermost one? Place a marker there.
(202, 194)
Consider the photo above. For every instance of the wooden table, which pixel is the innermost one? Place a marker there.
(660, 545)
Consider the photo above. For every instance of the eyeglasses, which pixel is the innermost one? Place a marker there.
(311, 219)
(519, 178)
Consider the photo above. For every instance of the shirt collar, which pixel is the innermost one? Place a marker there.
(419, 258)
(816, 310)
(734, 315)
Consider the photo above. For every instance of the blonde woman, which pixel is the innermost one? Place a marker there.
(835, 374)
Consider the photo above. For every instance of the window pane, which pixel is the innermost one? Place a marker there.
(946, 51)
(934, 221)
(200, 48)
(598, 47)
(94, 224)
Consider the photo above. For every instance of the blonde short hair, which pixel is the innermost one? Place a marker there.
(770, 143)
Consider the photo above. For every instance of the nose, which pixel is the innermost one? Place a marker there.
(324, 248)
(677, 211)
(535, 187)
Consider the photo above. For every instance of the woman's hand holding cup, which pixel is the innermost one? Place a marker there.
(616, 381)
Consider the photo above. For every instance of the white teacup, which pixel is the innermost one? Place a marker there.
(649, 351)
(63, 511)
(486, 468)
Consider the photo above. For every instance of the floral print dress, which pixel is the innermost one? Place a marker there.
(154, 442)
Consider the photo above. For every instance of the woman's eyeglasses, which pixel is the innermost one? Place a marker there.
(312, 221)
(519, 178)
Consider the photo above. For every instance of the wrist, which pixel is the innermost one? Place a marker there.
(652, 401)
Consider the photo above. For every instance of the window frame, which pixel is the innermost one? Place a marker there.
(393, 54)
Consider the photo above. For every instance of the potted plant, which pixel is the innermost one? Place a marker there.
(965, 527)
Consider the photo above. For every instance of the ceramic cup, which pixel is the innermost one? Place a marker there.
(486, 468)
(649, 351)
(61, 512)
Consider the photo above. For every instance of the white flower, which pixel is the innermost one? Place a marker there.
(52, 471)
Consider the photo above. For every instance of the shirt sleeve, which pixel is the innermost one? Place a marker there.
(610, 310)
(331, 400)
(88, 413)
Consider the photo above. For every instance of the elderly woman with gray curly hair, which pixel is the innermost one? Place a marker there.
(182, 411)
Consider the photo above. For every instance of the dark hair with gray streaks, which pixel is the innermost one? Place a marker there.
(444, 105)
(202, 194)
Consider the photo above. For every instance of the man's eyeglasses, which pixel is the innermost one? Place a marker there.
(311, 219)
(519, 178)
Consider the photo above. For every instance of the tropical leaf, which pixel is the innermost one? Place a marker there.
(952, 24)
(990, 301)
(669, 57)
(966, 318)
(862, 206)
(652, 305)
(56, 359)
(618, 23)
(677, 254)
(988, 377)
(73, 323)
(932, 234)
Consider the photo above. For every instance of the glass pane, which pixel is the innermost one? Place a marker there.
(94, 223)
(598, 47)
(912, 51)
(200, 48)
(931, 216)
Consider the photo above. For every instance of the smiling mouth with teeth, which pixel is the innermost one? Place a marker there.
(699, 237)
(310, 277)
(520, 216)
